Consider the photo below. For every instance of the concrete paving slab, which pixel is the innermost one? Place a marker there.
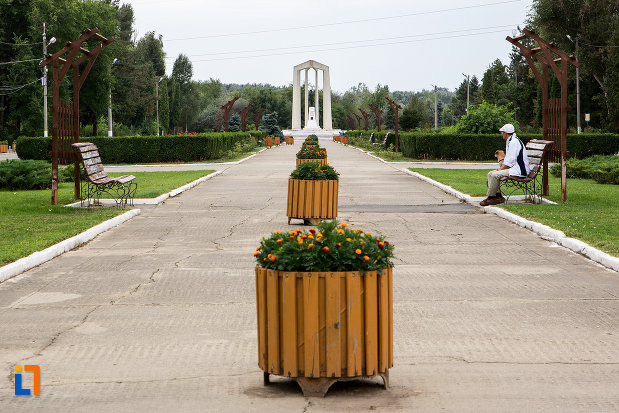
(159, 313)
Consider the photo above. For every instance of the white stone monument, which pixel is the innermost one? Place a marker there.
(312, 114)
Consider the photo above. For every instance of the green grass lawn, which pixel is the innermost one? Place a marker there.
(591, 212)
(28, 223)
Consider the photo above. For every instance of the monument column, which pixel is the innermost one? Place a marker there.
(306, 99)
(327, 122)
(296, 99)
(317, 100)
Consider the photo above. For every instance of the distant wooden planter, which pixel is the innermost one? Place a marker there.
(312, 200)
(322, 161)
(323, 327)
(4, 148)
(289, 140)
(269, 142)
(344, 140)
(14, 146)
(277, 140)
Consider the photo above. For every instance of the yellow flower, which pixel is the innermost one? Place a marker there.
(368, 233)
(310, 246)
(347, 239)
(310, 236)
(278, 232)
(341, 231)
(257, 248)
(319, 236)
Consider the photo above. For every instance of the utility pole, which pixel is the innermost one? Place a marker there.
(45, 44)
(435, 109)
(110, 133)
(575, 41)
(157, 103)
(468, 91)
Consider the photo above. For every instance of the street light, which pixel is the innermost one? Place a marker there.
(157, 92)
(110, 133)
(45, 44)
(577, 84)
(468, 85)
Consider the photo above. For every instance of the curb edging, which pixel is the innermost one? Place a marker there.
(40, 257)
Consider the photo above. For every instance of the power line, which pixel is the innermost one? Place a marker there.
(343, 48)
(346, 22)
(21, 44)
(18, 88)
(19, 61)
(349, 42)
(600, 47)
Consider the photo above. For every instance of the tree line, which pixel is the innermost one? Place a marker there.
(133, 72)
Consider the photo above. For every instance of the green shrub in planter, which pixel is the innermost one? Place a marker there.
(329, 247)
(314, 171)
(312, 152)
(311, 140)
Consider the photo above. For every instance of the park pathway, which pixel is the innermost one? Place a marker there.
(158, 314)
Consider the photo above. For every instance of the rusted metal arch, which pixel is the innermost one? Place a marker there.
(554, 114)
(257, 117)
(227, 107)
(244, 113)
(358, 120)
(69, 123)
(378, 113)
(366, 117)
(395, 107)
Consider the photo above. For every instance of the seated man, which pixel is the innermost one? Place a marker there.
(516, 163)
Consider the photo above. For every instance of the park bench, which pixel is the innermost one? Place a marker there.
(531, 185)
(122, 188)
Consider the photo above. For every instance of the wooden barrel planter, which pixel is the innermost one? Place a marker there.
(277, 140)
(321, 161)
(289, 140)
(312, 200)
(4, 148)
(323, 327)
(269, 142)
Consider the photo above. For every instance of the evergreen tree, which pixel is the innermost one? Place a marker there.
(234, 123)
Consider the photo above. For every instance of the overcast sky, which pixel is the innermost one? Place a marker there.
(405, 44)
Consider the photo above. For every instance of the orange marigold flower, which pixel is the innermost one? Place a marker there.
(339, 245)
(319, 236)
(325, 249)
(386, 242)
(343, 224)
(366, 258)
(273, 258)
(312, 230)
(310, 236)
(256, 254)
(347, 239)
(279, 241)
(291, 237)
(303, 236)
(293, 232)
(381, 245)
(341, 231)
(368, 233)
(310, 246)
(269, 256)
(257, 248)
(278, 232)
(357, 251)
(265, 259)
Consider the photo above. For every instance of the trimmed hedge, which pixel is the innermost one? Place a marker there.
(147, 149)
(420, 145)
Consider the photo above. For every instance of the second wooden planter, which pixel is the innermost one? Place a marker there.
(321, 161)
(322, 327)
(312, 200)
(4, 148)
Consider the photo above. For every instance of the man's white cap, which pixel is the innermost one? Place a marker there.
(507, 128)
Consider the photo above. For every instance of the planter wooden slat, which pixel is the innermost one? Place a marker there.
(383, 321)
(355, 336)
(311, 336)
(333, 325)
(262, 317)
(371, 322)
(289, 316)
(273, 323)
(390, 290)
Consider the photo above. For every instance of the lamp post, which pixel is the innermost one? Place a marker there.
(468, 86)
(110, 133)
(575, 41)
(45, 44)
(157, 103)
